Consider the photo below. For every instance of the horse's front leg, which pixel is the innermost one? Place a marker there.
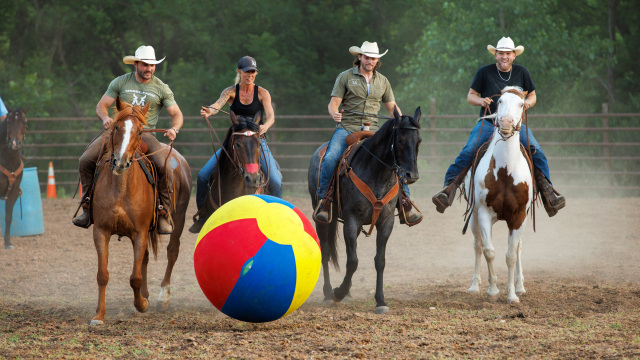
(512, 259)
(136, 279)
(520, 290)
(101, 242)
(485, 223)
(351, 228)
(173, 250)
(383, 232)
(477, 246)
(8, 211)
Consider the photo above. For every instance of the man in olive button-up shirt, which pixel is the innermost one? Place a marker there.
(360, 90)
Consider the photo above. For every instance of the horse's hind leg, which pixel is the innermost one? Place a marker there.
(101, 241)
(350, 238)
(326, 234)
(477, 245)
(136, 278)
(173, 249)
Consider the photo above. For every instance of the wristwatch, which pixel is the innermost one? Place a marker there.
(176, 130)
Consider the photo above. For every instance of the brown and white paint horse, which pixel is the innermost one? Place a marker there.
(502, 190)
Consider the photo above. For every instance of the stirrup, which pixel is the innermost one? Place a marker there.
(444, 198)
(323, 216)
(415, 219)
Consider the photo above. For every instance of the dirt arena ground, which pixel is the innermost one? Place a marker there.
(581, 269)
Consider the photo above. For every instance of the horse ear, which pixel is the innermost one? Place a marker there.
(119, 103)
(26, 110)
(234, 118)
(257, 117)
(417, 115)
(396, 114)
(145, 109)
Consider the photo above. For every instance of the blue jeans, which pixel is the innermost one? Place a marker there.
(466, 155)
(337, 146)
(275, 178)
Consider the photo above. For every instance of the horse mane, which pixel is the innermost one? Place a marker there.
(130, 110)
(387, 127)
(514, 90)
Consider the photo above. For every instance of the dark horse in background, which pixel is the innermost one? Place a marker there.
(237, 171)
(124, 204)
(12, 131)
(390, 153)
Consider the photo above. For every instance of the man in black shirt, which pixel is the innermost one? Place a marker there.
(488, 82)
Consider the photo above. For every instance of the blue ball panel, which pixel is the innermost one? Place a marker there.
(252, 301)
(272, 199)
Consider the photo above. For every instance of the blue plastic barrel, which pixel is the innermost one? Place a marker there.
(27, 212)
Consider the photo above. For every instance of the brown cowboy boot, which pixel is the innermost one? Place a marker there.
(444, 198)
(408, 213)
(83, 220)
(165, 225)
(322, 213)
(551, 199)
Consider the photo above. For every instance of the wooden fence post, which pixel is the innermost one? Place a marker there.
(605, 141)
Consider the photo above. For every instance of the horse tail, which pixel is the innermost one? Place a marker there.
(153, 243)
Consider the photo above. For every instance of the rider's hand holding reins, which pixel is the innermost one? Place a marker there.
(207, 111)
(171, 134)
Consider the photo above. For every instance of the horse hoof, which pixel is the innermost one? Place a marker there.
(521, 292)
(143, 308)
(382, 309)
(492, 298)
(96, 322)
(474, 290)
(9, 247)
(334, 297)
(163, 306)
(513, 300)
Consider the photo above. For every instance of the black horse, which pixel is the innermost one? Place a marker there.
(237, 172)
(12, 131)
(390, 153)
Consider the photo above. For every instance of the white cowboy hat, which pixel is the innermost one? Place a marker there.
(506, 44)
(368, 49)
(146, 54)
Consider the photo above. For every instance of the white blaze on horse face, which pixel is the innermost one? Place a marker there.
(509, 112)
(126, 137)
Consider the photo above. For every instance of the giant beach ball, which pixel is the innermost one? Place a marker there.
(257, 258)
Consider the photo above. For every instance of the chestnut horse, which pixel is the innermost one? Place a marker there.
(238, 171)
(502, 189)
(12, 131)
(124, 203)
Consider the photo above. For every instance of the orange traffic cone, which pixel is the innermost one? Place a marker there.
(51, 183)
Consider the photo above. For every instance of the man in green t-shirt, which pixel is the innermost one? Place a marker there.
(359, 90)
(137, 88)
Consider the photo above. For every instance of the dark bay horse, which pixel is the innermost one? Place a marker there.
(390, 153)
(124, 202)
(12, 131)
(238, 171)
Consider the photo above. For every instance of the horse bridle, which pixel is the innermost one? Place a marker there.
(236, 160)
(9, 117)
(518, 126)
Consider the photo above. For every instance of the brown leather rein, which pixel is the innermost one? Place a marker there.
(12, 176)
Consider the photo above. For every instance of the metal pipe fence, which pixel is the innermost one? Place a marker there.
(589, 154)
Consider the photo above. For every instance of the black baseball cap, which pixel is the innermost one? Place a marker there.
(247, 63)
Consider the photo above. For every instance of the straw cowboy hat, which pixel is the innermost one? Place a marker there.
(506, 44)
(146, 54)
(368, 49)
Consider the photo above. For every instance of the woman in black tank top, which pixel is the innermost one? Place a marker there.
(260, 101)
